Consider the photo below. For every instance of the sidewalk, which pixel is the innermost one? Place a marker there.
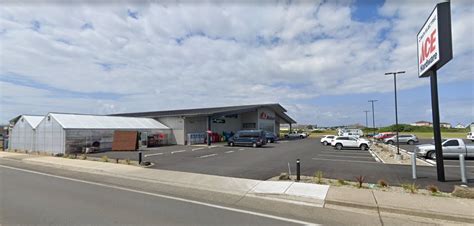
(310, 195)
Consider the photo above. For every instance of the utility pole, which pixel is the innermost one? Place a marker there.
(373, 114)
(396, 108)
(366, 119)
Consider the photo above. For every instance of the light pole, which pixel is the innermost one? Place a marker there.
(396, 109)
(373, 114)
(366, 119)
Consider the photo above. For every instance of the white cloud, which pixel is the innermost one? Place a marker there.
(211, 54)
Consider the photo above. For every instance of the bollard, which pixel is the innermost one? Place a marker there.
(413, 165)
(462, 165)
(289, 170)
(297, 169)
(139, 157)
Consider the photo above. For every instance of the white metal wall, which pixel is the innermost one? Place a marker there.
(22, 136)
(176, 124)
(50, 136)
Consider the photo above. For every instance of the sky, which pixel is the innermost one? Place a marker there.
(321, 60)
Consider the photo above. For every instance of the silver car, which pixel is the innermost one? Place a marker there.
(407, 139)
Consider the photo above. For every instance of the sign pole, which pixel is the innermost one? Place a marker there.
(436, 126)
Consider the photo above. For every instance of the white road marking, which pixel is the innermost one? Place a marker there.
(344, 156)
(241, 149)
(228, 152)
(375, 156)
(205, 156)
(343, 160)
(177, 151)
(167, 197)
(195, 149)
(153, 154)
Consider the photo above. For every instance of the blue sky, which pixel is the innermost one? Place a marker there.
(322, 60)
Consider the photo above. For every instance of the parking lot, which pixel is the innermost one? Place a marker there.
(448, 162)
(273, 159)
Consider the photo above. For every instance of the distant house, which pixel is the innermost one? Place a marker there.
(422, 123)
(445, 125)
(460, 126)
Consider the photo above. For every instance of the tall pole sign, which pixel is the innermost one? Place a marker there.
(435, 50)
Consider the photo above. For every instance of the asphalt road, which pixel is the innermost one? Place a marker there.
(273, 159)
(32, 199)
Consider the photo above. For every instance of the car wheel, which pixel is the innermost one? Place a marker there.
(301, 137)
(325, 143)
(363, 147)
(338, 146)
(390, 142)
(231, 144)
(432, 155)
(410, 142)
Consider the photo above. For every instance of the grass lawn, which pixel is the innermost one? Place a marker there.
(429, 135)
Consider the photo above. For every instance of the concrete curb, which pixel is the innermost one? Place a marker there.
(404, 211)
(251, 192)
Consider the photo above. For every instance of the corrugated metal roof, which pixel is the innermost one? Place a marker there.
(77, 121)
(214, 111)
(33, 120)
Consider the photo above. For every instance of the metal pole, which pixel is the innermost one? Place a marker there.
(462, 165)
(436, 127)
(140, 157)
(208, 131)
(373, 114)
(413, 165)
(396, 111)
(366, 120)
(298, 170)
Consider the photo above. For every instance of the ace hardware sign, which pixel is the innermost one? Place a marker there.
(434, 40)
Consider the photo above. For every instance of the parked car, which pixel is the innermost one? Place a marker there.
(326, 139)
(295, 134)
(385, 135)
(271, 137)
(407, 139)
(351, 134)
(451, 148)
(350, 142)
(254, 138)
(470, 136)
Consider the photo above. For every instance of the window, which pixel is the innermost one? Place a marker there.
(451, 143)
(249, 125)
(330, 137)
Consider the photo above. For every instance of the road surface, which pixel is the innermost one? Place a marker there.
(33, 199)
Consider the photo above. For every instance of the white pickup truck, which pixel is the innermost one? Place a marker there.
(470, 136)
(350, 142)
(451, 148)
(295, 134)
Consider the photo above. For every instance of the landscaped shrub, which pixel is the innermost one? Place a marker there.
(341, 182)
(127, 161)
(83, 157)
(432, 188)
(105, 158)
(360, 180)
(382, 183)
(412, 188)
(283, 176)
(318, 177)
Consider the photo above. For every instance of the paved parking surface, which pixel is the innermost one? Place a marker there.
(273, 159)
(448, 162)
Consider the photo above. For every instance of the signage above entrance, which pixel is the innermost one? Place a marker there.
(264, 115)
